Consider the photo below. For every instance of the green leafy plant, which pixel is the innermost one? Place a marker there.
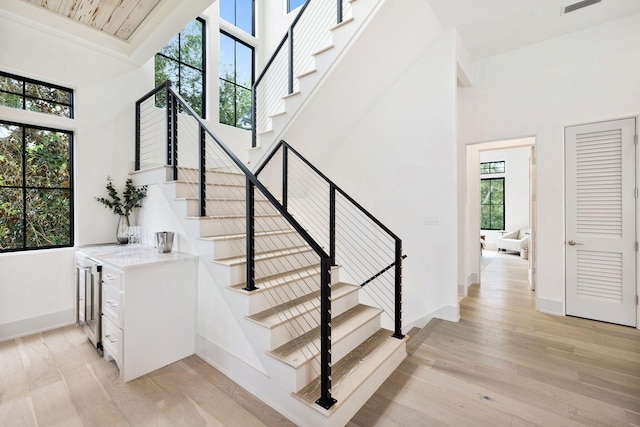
(131, 197)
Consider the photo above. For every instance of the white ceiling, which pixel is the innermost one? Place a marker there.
(491, 27)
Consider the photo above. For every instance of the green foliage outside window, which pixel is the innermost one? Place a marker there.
(35, 187)
(236, 80)
(32, 95)
(491, 167)
(182, 61)
(492, 204)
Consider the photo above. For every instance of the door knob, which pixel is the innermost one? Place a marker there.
(573, 243)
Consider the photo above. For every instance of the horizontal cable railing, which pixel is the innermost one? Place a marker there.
(308, 34)
(368, 253)
(282, 261)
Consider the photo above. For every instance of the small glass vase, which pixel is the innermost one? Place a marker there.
(121, 233)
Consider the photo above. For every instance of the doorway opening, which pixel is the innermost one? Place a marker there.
(500, 211)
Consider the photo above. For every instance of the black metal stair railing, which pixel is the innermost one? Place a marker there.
(369, 252)
(191, 148)
(337, 229)
(287, 55)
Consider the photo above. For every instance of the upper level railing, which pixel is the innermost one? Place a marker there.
(307, 34)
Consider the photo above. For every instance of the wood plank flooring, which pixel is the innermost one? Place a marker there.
(56, 379)
(504, 364)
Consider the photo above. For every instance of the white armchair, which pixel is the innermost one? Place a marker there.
(515, 240)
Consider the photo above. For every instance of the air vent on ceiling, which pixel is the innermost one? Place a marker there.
(580, 5)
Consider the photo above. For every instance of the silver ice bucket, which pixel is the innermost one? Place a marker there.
(164, 241)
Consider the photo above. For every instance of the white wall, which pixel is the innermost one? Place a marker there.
(40, 285)
(383, 128)
(587, 76)
(516, 182)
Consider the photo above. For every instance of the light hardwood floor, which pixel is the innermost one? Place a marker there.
(56, 379)
(503, 364)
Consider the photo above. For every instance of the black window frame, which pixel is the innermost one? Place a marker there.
(160, 101)
(23, 94)
(494, 167)
(253, 17)
(25, 188)
(236, 85)
(504, 191)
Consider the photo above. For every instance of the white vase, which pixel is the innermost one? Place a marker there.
(121, 232)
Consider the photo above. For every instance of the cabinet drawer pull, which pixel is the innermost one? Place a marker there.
(111, 303)
(110, 338)
(110, 277)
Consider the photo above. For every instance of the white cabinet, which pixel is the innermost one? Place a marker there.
(148, 308)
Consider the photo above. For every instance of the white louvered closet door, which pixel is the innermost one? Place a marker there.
(600, 221)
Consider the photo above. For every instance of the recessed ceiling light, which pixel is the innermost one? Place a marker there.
(580, 5)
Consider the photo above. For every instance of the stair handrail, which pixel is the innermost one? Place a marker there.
(287, 37)
(173, 98)
(334, 188)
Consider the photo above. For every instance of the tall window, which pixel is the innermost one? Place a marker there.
(294, 4)
(240, 13)
(36, 187)
(182, 61)
(236, 80)
(492, 204)
(33, 95)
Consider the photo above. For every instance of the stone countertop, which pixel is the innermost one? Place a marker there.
(130, 256)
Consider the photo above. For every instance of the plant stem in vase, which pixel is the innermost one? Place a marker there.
(123, 226)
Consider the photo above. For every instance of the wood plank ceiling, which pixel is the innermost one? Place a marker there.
(119, 18)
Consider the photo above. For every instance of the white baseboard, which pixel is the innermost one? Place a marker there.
(33, 325)
(550, 306)
(462, 290)
(450, 313)
(473, 278)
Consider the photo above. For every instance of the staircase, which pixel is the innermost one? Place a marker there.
(316, 40)
(299, 293)
(281, 315)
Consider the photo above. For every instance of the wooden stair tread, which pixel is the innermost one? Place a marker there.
(322, 50)
(282, 313)
(223, 199)
(215, 184)
(243, 236)
(304, 348)
(268, 283)
(265, 255)
(258, 215)
(352, 370)
(344, 22)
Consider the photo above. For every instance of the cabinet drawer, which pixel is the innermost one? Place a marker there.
(111, 277)
(112, 338)
(112, 305)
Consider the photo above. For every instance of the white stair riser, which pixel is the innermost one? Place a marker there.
(212, 177)
(263, 300)
(272, 267)
(296, 379)
(226, 226)
(238, 247)
(228, 207)
(186, 190)
(297, 326)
